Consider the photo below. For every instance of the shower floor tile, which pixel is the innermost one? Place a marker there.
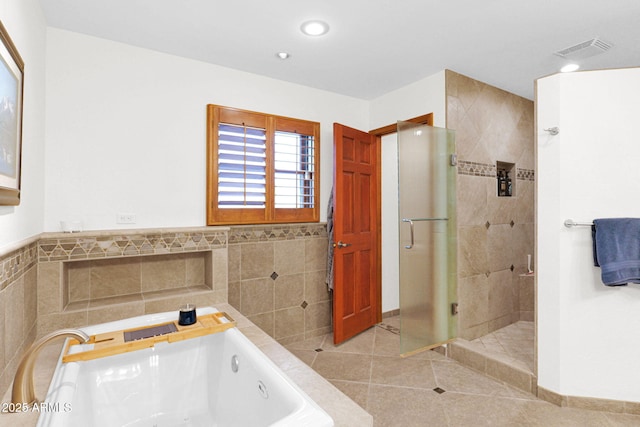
(513, 344)
(429, 389)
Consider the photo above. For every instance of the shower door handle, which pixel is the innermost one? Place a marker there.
(409, 246)
(411, 220)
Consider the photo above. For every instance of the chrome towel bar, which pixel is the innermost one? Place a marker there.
(571, 223)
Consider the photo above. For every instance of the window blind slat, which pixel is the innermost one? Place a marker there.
(226, 127)
(248, 169)
(237, 158)
(239, 195)
(235, 149)
(242, 139)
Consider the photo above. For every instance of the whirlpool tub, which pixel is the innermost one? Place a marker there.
(221, 379)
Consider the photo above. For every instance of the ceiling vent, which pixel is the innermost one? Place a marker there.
(585, 49)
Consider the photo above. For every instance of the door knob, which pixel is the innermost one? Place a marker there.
(341, 245)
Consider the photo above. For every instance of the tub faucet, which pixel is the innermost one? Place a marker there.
(23, 391)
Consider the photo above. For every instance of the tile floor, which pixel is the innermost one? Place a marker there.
(428, 389)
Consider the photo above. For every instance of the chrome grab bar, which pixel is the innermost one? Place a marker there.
(411, 221)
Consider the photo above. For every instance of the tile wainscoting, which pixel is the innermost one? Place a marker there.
(18, 305)
(273, 274)
(277, 279)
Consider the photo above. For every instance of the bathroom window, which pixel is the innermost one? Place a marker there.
(261, 168)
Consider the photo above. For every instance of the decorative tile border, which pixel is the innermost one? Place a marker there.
(87, 245)
(17, 262)
(271, 232)
(526, 174)
(476, 169)
(485, 169)
(65, 247)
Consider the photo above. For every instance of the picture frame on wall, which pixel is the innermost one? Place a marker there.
(11, 92)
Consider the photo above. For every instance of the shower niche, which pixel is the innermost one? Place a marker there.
(505, 179)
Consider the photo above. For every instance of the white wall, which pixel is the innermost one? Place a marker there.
(126, 130)
(126, 133)
(416, 99)
(390, 237)
(25, 24)
(419, 98)
(588, 334)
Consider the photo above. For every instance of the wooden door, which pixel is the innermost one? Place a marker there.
(356, 226)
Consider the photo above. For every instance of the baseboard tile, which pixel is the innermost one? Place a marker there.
(391, 313)
(589, 403)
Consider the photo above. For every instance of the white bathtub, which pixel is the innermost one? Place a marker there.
(186, 383)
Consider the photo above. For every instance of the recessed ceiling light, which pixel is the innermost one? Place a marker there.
(315, 28)
(569, 68)
(283, 55)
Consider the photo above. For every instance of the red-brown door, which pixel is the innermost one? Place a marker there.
(355, 289)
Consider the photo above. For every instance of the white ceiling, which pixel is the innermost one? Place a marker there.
(373, 46)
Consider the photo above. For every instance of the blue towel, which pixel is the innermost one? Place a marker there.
(616, 245)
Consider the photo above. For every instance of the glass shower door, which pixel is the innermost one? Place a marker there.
(426, 187)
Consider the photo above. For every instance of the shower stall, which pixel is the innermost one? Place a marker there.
(428, 248)
(427, 230)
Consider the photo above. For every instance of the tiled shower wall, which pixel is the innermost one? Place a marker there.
(277, 279)
(18, 305)
(495, 234)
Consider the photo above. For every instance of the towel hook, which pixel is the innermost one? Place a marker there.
(552, 131)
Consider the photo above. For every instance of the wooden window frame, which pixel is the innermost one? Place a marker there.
(271, 123)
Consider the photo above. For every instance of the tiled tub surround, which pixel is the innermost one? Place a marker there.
(277, 279)
(18, 305)
(495, 234)
(94, 277)
(58, 280)
(344, 411)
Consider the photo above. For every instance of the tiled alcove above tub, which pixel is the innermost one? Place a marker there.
(93, 277)
(102, 282)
